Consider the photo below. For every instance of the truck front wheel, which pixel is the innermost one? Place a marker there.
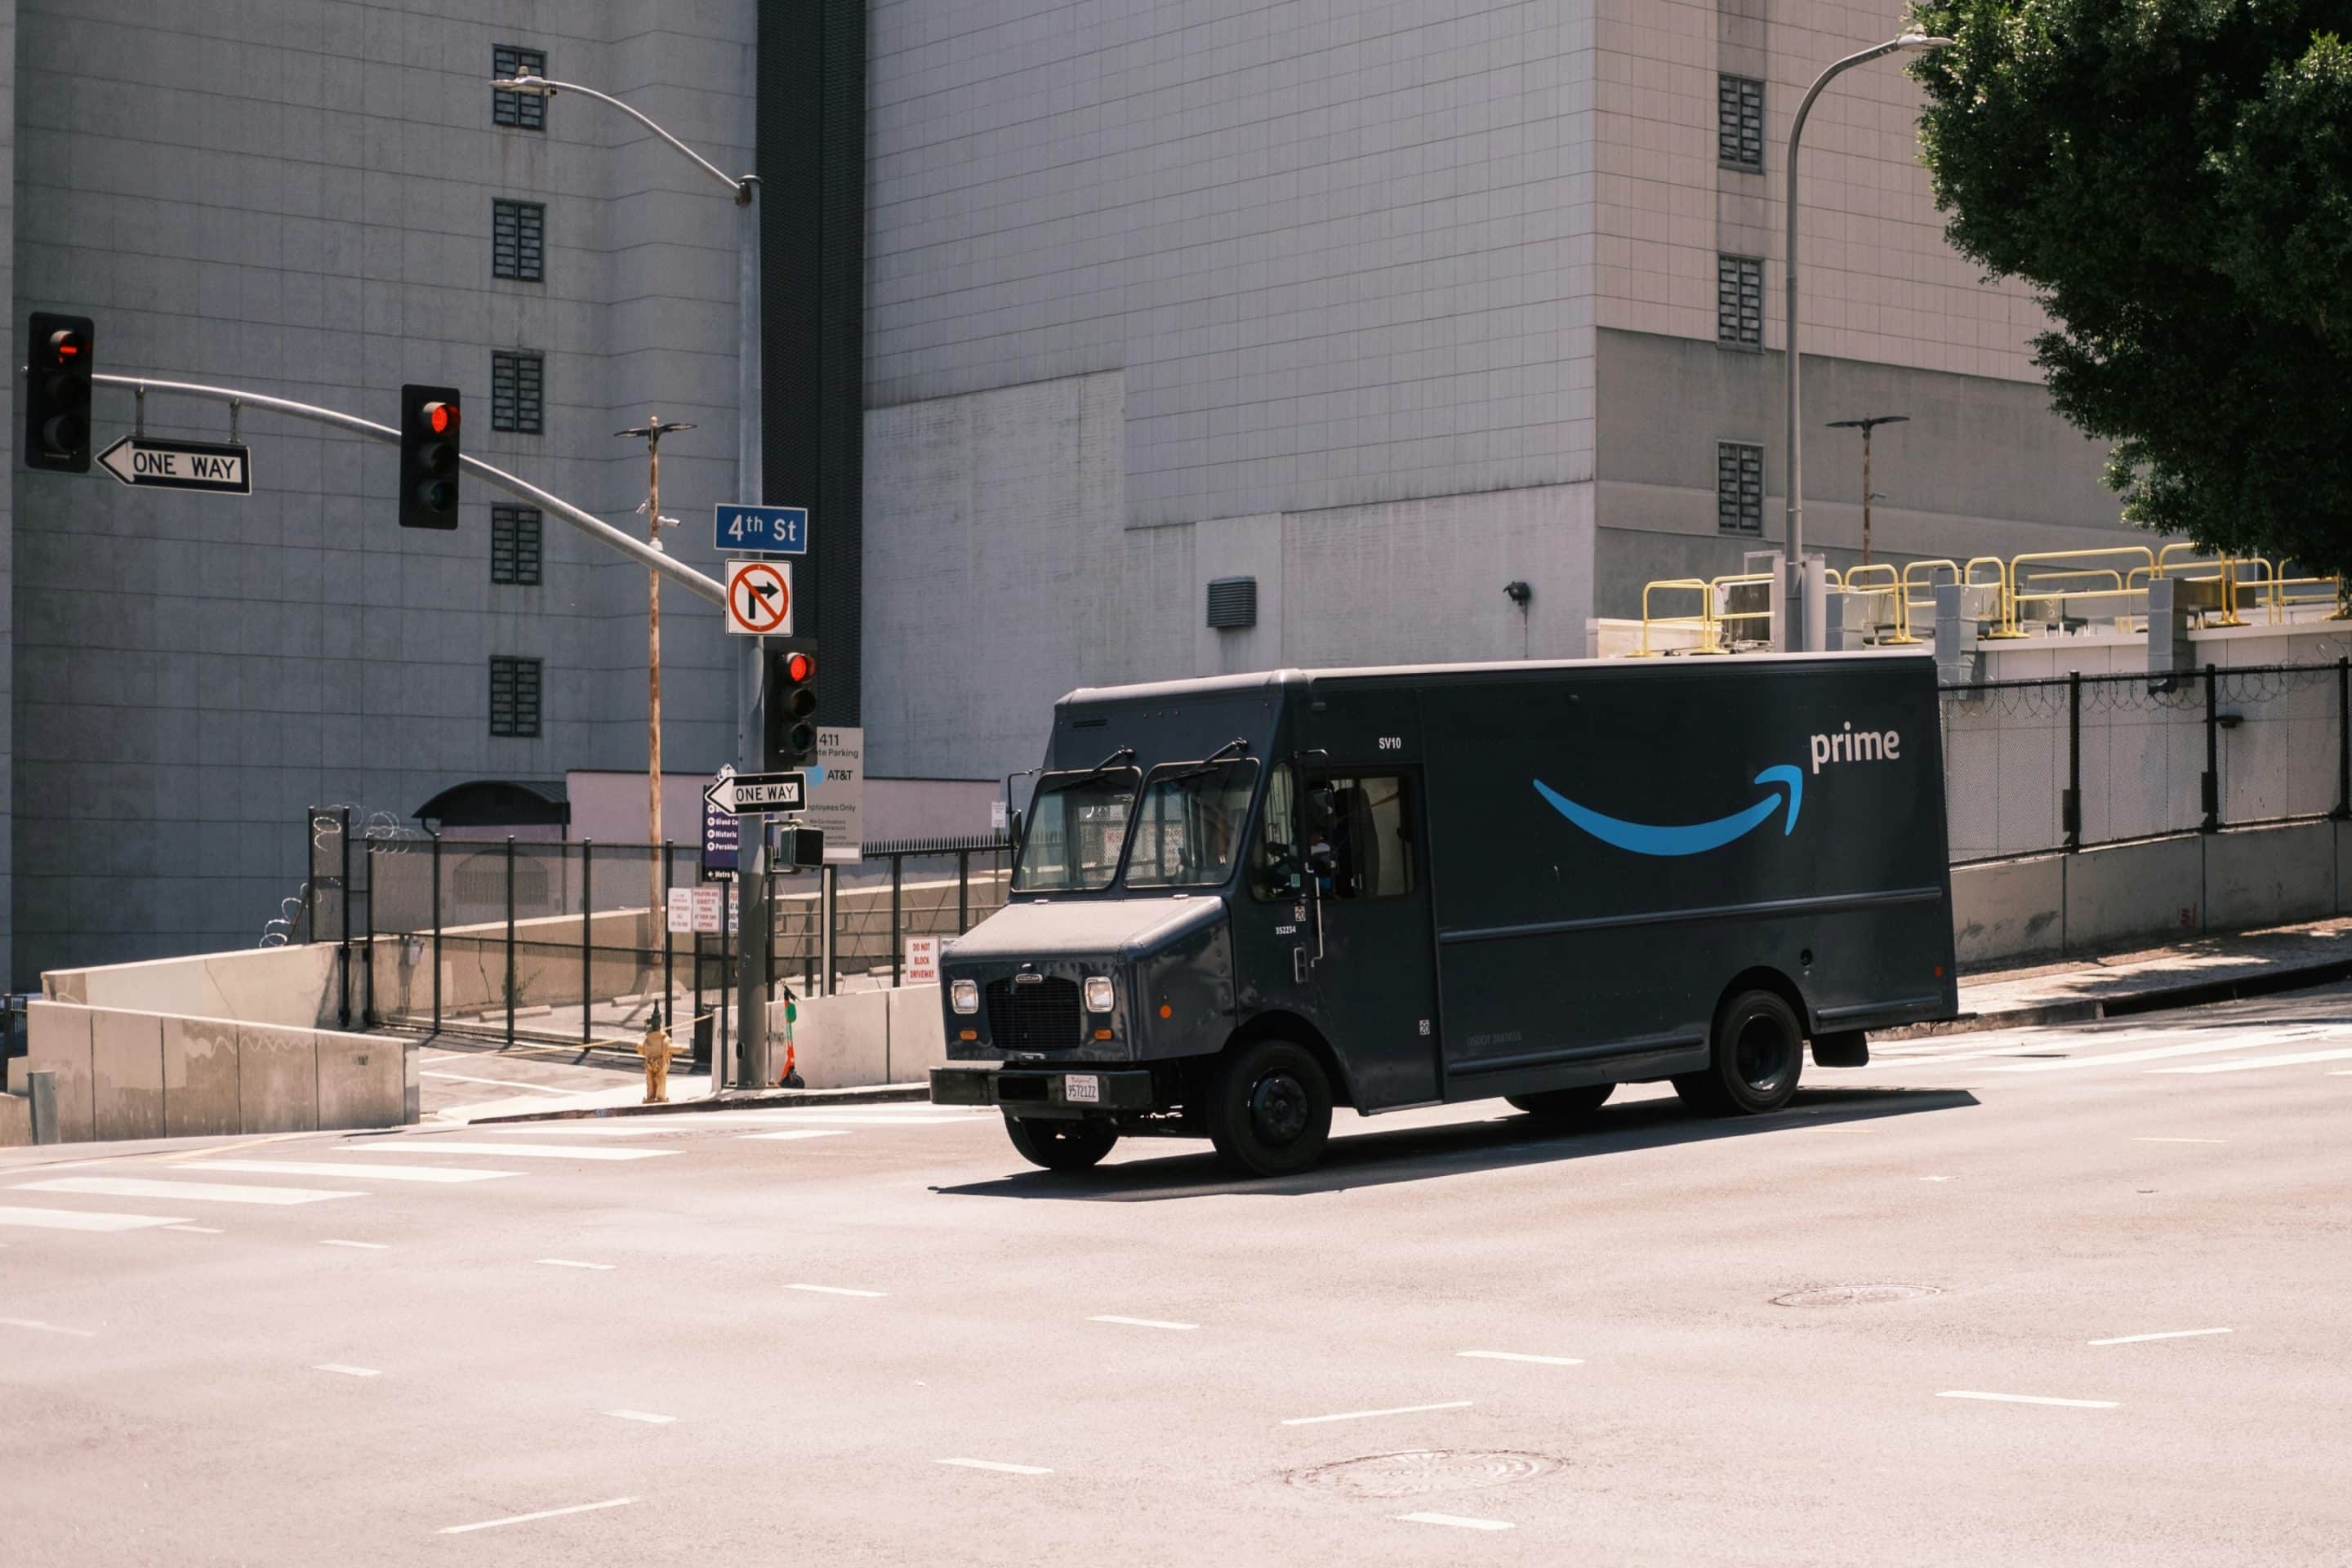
(1759, 1049)
(1060, 1146)
(1269, 1108)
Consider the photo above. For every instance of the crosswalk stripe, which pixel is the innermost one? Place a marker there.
(75, 1219)
(2248, 1064)
(638, 1127)
(793, 1134)
(2154, 1053)
(179, 1192)
(503, 1151)
(447, 1173)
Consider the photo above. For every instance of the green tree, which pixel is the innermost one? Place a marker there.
(2174, 177)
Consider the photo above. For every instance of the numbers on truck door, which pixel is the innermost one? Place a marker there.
(1392, 742)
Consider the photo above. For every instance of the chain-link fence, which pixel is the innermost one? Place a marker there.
(2073, 760)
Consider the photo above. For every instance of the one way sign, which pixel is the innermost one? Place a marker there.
(212, 466)
(750, 795)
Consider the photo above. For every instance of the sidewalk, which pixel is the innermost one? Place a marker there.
(2184, 974)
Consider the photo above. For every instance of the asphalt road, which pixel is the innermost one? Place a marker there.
(2101, 1318)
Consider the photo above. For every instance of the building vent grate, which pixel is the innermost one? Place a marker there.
(1233, 604)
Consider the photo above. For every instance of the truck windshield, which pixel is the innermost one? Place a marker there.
(1189, 825)
(1077, 826)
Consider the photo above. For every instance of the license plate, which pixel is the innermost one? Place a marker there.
(1082, 1089)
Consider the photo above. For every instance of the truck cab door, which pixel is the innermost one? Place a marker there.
(1374, 969)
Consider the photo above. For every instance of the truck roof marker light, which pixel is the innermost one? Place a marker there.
(1166, 1011)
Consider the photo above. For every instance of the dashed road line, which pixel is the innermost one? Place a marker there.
(76, 1219)
(2249, 1064)
(646, 1416)
(347, 1370)
(363, 1245)
(1365, 1414)
(2029, 1399)
(179, 1192)
(1457, 1520)
(2170, 1334)
(442, 1175)
(835, 1290)
(1139, 1322)
(571, 1263)
(542, 1514)
(430, 1145)
(197, 1229)
(1521, 1355)
(795, 1135)
(2181, 1140)
(48, 1327)
(1000, 1465)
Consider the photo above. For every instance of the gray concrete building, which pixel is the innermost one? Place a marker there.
(1378, 306)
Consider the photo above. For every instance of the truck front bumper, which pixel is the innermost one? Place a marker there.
(1044, 1092)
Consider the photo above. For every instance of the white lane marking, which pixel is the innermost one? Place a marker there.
(851, 1118)
(181, 1192)
(2125, 1058)
(347, 1370)
(569, 1263)
(835, 1290)
(2181, 1140)
(48, 1327)
(1000, 1465)
(576, 1128)
(642, 1415)
(1361, 1415)
(506, 1083)
(1139, 1322)
(2292, 1059)
(1457, 1520)
(365, 1245)
(198, 1230)
(71, 1219)
(796, 1133)
(2171, 1334)
(1519, 1355)
(429, 1145)
(444, 1174)
(1934, 1178)
(2029, 1399)
(542, 1514)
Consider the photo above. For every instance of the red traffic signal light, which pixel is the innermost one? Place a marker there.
(429, 456)
(798, 667)
(441, 417)
(789, 708)
(58, 387)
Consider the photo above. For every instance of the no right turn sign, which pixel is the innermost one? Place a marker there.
(760, 598)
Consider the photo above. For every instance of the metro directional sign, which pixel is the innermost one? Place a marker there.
(762, 529)
(144, 463)
(750, 795)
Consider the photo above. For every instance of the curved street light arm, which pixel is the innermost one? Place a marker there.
(741, 185)
(595, 528)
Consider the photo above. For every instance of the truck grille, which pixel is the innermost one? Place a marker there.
(1038, 1017)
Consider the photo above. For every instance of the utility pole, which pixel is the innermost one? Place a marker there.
(651, 432)
(1866, 426)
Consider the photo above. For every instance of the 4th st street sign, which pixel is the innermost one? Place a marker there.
(145, 464)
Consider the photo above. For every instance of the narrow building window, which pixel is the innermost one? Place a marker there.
(514, 546)
(514, 697)
(515, 387)
(1739, 301)
(523, 110)
(1739, 123)
(1738, 488)
(517, 241)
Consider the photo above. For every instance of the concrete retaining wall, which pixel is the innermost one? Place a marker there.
(2161, 889)
(123, 1074)
(864, 1037)
(292, 985)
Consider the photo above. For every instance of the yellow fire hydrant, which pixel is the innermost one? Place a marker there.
(656, 1050)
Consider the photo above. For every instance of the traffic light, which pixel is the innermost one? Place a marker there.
(57, 400)
(789, 709)
(429, 456)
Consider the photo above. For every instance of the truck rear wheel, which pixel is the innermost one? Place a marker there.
(1759, 1052)
(1269, 1108)
(1564, 1104)
(1060, 1146)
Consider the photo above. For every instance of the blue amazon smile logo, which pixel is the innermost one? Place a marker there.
(1644, 838)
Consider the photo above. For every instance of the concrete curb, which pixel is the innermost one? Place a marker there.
(2151, 998)
(733, 1099)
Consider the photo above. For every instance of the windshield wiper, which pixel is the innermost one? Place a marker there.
(1124, 755)
(1207, 764)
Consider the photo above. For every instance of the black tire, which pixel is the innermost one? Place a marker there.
(1059, 1145)
(1269, 1108)
(1576, 1104)
(1758, 1056)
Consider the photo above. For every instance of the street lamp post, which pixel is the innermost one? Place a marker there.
(752, 1034)
(1866, 425)
(1808, 634)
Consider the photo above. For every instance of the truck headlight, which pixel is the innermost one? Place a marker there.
(964, 995)
(1098, 996)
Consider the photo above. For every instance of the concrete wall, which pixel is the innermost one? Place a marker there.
(123, 1074)
(292, 985)
(866, 1037)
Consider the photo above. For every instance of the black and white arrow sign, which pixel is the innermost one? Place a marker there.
(146, 464)
(750, 795)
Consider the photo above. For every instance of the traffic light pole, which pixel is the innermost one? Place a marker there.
(751, 878)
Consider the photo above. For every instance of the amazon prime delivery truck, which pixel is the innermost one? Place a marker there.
(1240, 901)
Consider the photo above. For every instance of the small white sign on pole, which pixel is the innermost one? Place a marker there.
(709, 907)
(922, 965)
(682, 908)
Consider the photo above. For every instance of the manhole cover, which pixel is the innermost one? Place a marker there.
(1854, 1295)
(1418, 1470)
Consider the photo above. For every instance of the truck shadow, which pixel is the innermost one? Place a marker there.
(1505, 1141)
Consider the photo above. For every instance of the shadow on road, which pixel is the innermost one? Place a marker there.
(1417, 1154)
